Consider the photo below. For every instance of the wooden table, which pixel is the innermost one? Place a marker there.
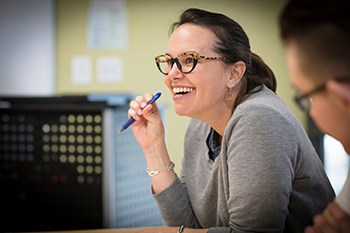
(116, 230)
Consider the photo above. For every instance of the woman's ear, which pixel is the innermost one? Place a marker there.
(237, 71)
(341, 91)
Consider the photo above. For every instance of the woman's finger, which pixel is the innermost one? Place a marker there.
(141, 101)
(135, 105)
(133, 114)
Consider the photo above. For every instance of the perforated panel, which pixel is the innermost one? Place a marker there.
(50, 173)
(63, 166)
(134, 202)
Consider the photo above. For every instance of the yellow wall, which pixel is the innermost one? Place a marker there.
(148, 24)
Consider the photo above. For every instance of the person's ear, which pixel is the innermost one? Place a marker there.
(341, 91)
(237, 71)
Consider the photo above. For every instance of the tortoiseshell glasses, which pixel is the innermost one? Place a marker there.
(186, 62)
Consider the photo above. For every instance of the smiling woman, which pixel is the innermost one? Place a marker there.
(248, 164)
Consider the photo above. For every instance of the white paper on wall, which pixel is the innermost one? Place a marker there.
(109, 70)
(81, 68)
(107, 24)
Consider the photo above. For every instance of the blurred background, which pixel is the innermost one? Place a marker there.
(103, 49)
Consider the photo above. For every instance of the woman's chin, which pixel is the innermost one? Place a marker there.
(181, 111)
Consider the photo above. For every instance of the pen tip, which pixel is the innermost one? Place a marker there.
(121, 130)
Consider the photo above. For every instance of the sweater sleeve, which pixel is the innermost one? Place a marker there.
(176, 210)
(175, 207)
(260, 169)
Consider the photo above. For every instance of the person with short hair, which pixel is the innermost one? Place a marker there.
(316, 37)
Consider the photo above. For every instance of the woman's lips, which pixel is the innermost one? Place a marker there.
(180, 92)
(182, 89)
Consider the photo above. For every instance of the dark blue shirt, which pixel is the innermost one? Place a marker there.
(214, 145)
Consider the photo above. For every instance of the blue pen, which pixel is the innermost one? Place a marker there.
(132, 120)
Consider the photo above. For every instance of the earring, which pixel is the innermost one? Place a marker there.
(229, 96)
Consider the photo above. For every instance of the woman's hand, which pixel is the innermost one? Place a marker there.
(148, 126)
(149, 132)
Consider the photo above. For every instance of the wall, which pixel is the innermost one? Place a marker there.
(148, 24)
(27, 45)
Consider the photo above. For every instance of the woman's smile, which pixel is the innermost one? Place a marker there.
(182, 91)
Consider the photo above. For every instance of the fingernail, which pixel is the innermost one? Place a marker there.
(143, 105)
(139, 111)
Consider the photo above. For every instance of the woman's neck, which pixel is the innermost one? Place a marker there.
(219, 122)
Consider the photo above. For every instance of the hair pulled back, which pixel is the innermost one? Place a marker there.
(233, 44)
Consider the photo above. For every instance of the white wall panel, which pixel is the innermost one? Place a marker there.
(27, 47)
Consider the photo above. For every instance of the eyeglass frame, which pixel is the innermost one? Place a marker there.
(179, 66)
(300, 97)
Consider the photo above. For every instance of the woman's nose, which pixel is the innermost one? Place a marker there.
(175, 72)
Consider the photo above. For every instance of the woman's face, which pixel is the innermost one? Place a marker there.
(206, 85)
(325, 109)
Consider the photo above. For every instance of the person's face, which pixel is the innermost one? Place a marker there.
(206, 86)
(324, 110)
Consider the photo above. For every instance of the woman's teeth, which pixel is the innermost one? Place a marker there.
(182, 90)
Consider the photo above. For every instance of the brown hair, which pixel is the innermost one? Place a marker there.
(233, 44)
(321, 31)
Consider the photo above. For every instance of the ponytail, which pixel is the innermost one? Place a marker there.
(262, 74)
(257, 74)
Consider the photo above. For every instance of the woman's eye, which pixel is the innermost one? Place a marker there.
(189, 60)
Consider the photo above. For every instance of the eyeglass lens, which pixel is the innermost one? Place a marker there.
(304, 102)
(186, 61)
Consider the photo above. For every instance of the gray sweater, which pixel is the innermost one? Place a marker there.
(267, 177)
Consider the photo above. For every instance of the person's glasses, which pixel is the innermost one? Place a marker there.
(305, 102)
(186, 62)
